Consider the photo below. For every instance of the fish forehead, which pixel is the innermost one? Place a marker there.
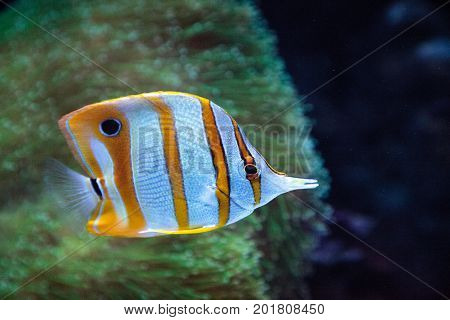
(81, 126)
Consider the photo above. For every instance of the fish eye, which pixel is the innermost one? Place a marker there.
(251, 171)
(110, 127)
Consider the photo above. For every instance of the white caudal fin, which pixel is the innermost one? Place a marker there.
(73, 192)
(291, 183)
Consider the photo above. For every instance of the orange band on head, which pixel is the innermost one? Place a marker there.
(83, 129)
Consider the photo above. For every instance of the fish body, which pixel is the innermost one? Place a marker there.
(165, 163)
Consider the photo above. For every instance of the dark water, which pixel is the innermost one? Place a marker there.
(383, 128)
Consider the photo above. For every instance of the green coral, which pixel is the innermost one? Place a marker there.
(185, 267)
(220, 50)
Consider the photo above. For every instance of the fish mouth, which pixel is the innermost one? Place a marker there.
(310, 183)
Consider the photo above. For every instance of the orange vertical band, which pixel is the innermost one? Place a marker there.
(172, 155)
(248, 159)
(219, 161)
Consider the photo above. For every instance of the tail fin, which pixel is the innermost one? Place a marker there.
(74, 192)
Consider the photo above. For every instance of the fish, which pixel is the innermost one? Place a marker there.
(163, 163)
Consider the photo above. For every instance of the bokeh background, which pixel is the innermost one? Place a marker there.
(381, 130)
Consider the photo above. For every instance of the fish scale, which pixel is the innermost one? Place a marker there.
(198, 168)
(150, 174)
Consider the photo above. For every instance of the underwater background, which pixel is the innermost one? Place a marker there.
(381, 130)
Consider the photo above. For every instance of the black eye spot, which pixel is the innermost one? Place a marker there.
(110, 127)
(251, 169)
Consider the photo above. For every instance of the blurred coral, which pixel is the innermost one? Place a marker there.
(220, 50)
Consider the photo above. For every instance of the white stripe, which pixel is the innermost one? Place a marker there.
(106, 165)
(241, 192)
(150, 176)
(199, 178)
